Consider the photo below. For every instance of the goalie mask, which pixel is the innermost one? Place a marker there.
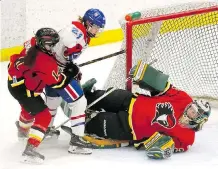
(195, 115)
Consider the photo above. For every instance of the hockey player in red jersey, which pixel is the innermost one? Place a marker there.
(29, 72)
(163, 123)
(74, 39)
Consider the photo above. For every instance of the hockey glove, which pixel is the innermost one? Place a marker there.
(73, 53)
(72, 70)
(159, 146)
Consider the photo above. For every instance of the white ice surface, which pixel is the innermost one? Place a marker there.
(203, 154)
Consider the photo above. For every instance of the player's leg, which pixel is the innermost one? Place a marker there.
(110, 125)
(53, 101)
(74, 96)
(32, 108)
(116, 101)
(24, 123)
(42, 118)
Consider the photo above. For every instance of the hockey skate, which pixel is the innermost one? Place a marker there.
(77, 144)
(30, 155)
(22, 134)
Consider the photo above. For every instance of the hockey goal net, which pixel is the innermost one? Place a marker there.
(183, 39)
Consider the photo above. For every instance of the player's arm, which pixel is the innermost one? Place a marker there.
(184, 140)
(162, 146)
(182, 137)
(48, 74)
(73, 40)
(180, 146)
(54, 79)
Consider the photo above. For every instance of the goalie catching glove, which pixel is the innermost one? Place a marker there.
(159, 146)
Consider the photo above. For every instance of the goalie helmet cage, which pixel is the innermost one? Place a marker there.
(183, 39)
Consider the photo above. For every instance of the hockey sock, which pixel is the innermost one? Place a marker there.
(25, 120)
(78, 116)
(78, 123)
(39, 127)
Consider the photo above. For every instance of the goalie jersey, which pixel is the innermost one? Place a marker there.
(150, 114)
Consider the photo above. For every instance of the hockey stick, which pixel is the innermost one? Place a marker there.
(90, 105)
(101, 58)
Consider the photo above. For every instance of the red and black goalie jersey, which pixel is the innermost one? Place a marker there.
(150, 114)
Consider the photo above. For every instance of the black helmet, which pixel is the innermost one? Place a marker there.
(46, 38)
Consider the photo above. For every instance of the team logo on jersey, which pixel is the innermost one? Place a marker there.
(164, 115)
(55, 75)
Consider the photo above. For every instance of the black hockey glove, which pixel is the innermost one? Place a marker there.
(72, 70)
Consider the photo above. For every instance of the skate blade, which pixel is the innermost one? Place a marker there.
(49, 137)
(73, 150)
(31, 160)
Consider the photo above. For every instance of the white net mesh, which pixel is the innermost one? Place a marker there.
(186, 48)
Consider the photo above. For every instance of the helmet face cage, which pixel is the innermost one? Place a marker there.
(93, 30)
(46, 39)
(195, 114)
(94, 21)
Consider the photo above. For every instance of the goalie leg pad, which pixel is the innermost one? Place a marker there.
(101, 143)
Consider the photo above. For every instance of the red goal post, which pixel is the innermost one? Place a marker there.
(183, 39)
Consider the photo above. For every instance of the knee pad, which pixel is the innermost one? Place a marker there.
(78, 107)
(53, 102)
